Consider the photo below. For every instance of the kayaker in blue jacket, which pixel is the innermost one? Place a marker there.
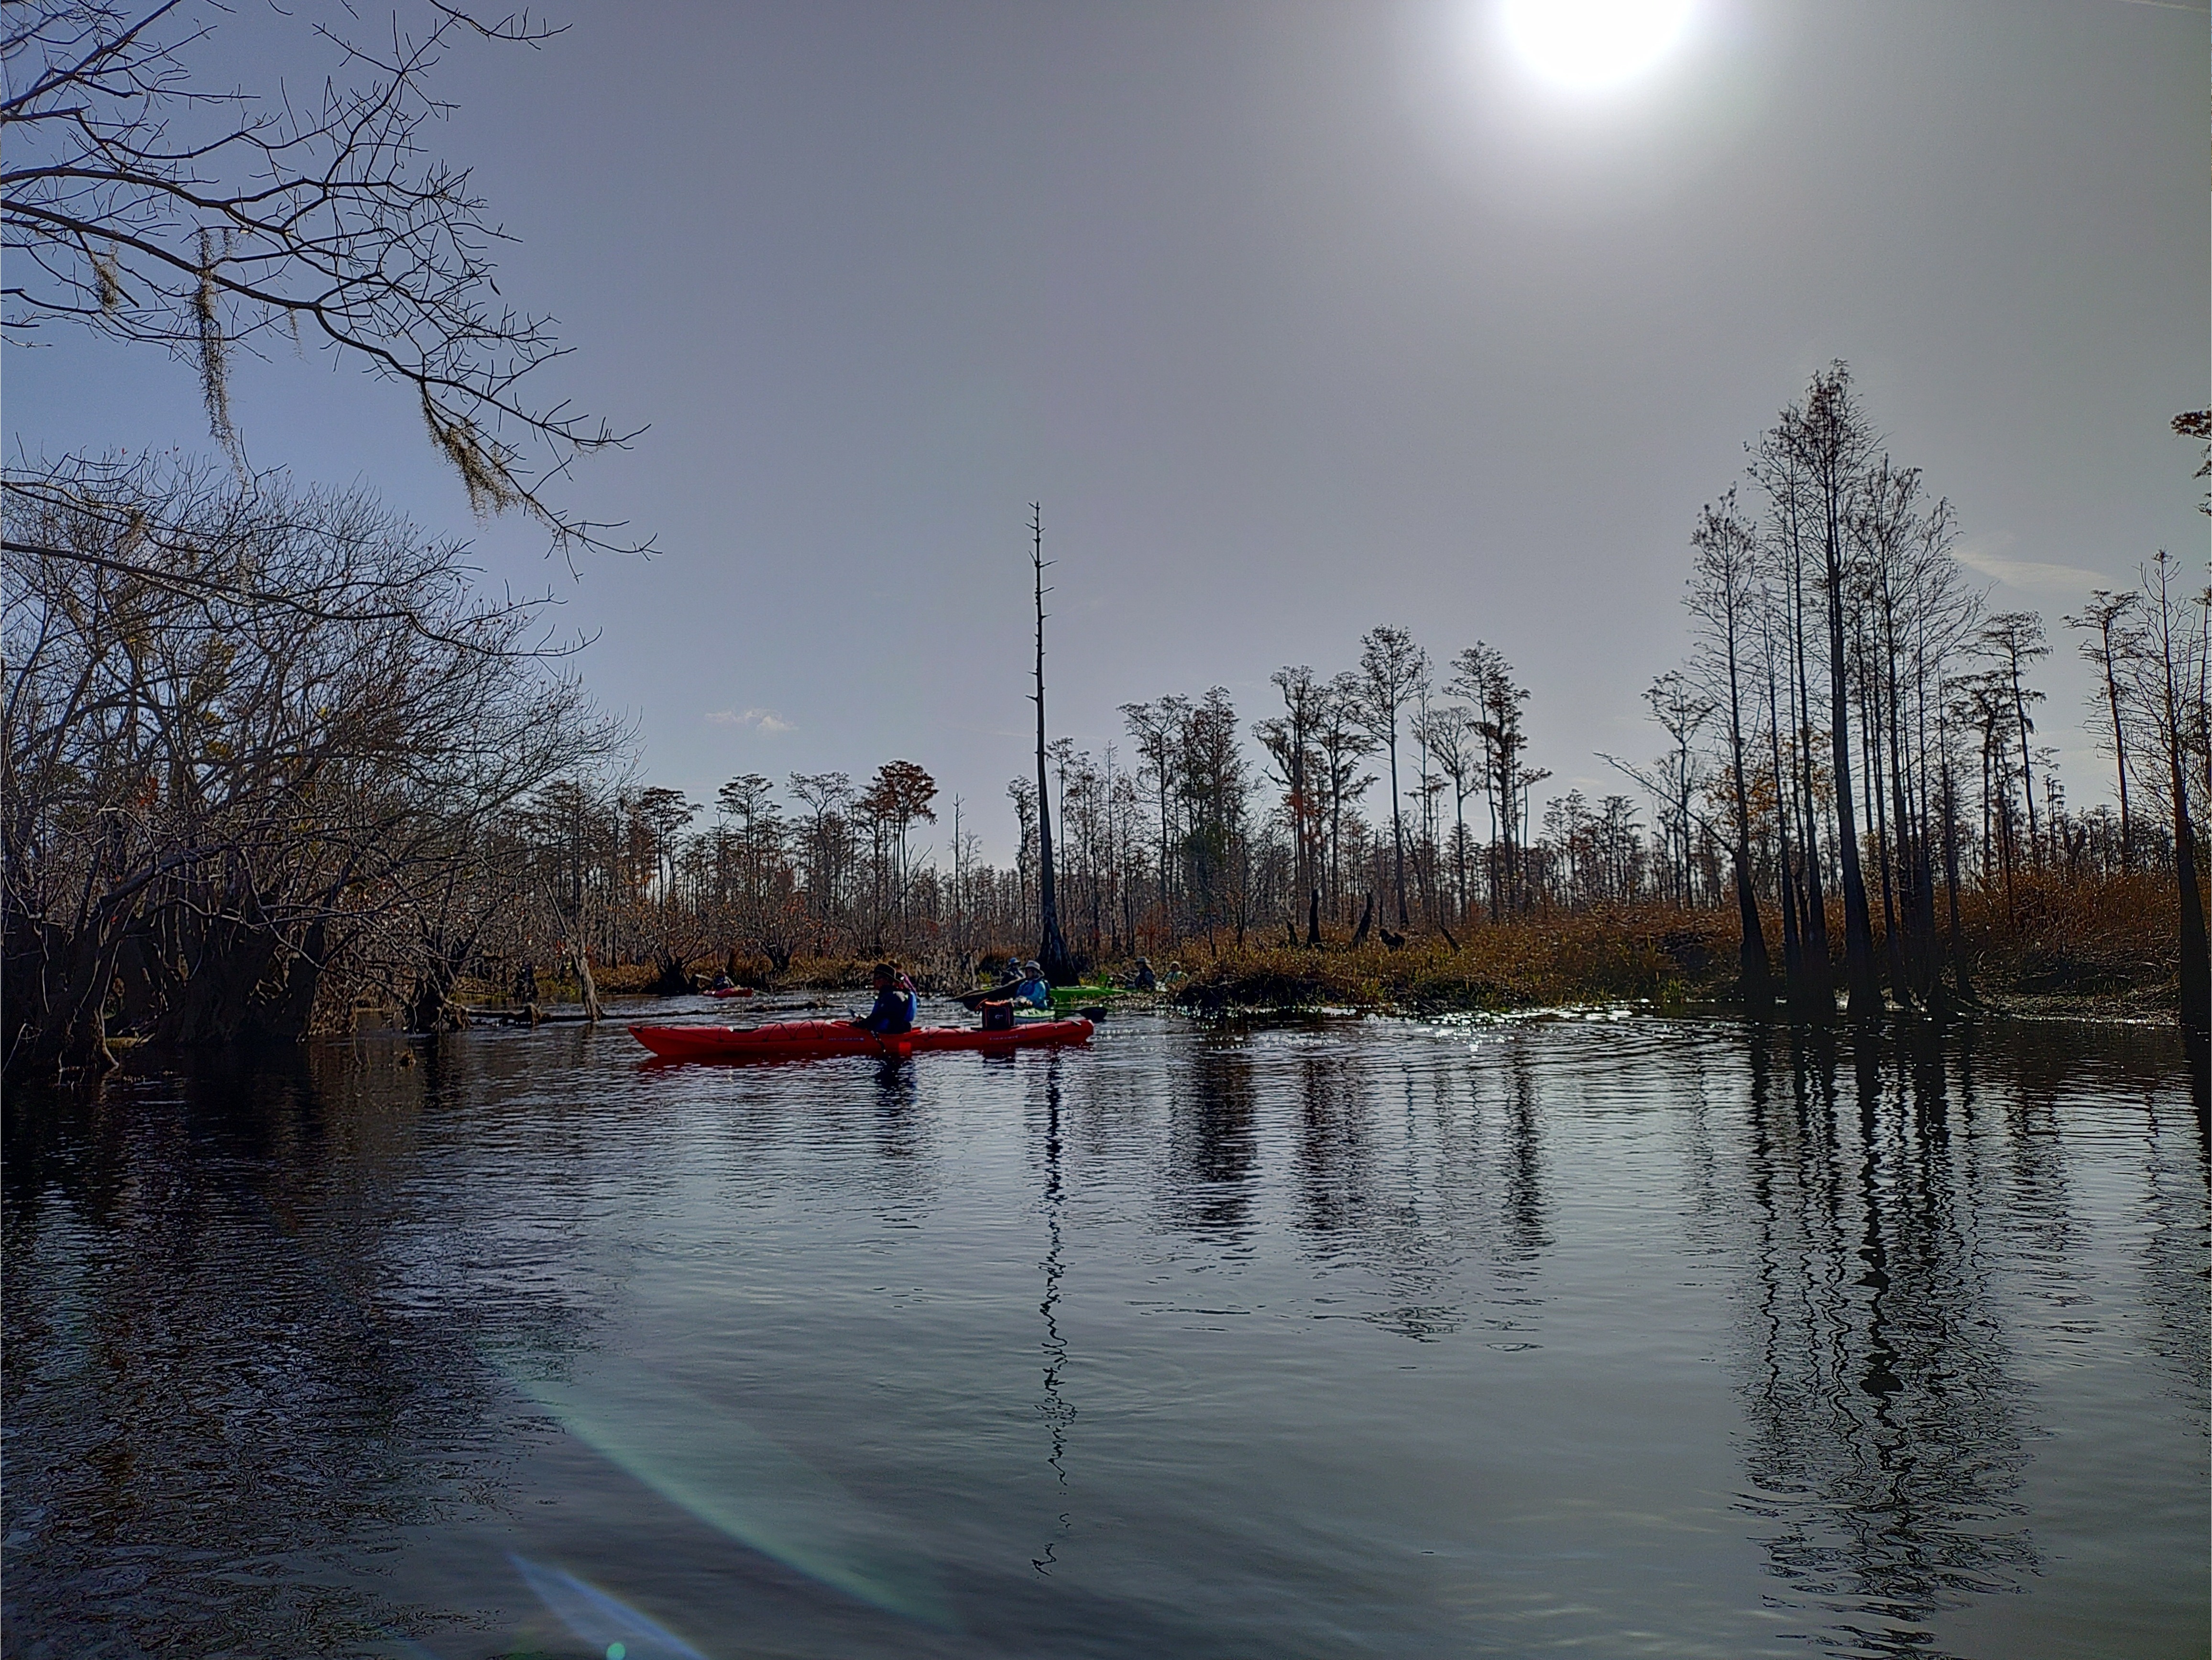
(1032, 991)
(897, 1004)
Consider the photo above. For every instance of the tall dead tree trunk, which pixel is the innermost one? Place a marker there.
(1961, 981)
(1758, 981)
(1793, 966)
(1052, 948)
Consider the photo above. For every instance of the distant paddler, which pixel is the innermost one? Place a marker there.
(1027, 989)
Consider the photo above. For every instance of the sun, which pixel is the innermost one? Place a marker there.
(1594, 43)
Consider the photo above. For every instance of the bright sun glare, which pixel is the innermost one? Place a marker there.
(1594, 43)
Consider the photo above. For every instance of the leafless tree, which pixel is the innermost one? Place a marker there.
(219, 805)
(2170, 663)
(1345, 745)
(1292, 740)
(2104, 620)
(1158, 727)
(826, 795)
(1681, 710)
(1723, 593)
(1450, 733)
(1484, 679)
(2011, 641)
(1392, 670)
(1781, 475)
(1909, 612)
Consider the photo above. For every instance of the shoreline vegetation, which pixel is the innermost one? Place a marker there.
(2075, 951)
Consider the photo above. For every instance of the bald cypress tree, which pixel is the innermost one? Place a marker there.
(1815, 457)
(1722, 594)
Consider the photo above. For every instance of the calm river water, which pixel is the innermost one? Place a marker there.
(1616, 1337)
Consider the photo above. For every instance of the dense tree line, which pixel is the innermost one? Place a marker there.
(261, 746)
(1851, 748)
(1186, 838)
(1854, 718)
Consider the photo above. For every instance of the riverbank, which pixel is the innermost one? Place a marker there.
(1660, 956)
(2052, 947)
(2088, 950)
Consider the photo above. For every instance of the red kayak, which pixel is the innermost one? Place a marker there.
(729, 991)
(791, 1040)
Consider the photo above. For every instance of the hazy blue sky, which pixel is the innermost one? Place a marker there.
(1297, 317)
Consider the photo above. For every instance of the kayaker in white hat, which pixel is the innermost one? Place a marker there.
(1033, 992)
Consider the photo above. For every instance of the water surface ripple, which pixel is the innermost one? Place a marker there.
(1627, 1337)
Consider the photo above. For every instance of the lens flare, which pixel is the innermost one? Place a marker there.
(1594, 43)
(743, 1483)
(602, 1621)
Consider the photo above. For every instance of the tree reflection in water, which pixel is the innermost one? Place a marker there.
(1054, 1408)
(1332, 1146)
(197, 1352)
(1885, 1428)
(1523, 1234)
(1214, 1143)
(1462, 1182)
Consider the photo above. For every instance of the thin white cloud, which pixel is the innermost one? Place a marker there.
(1986, 555)
(767, 721)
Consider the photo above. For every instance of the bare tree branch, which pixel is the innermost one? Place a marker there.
(137, 203)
